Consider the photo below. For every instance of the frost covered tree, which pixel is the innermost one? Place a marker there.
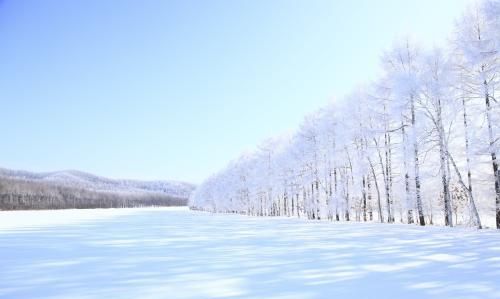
(478, 42)
(401, 65)
(391, 150)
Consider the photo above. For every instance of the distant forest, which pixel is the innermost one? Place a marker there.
(19, 194)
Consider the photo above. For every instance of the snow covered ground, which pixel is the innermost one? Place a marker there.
(176, 253)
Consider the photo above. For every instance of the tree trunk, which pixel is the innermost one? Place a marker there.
(364, 199)
(370, 204)
(460, 180)
(347, 195)
(443, 159)
(494, 162)
(407, 177)
(379, 206)
(387, 181)
(337, 216)
(420, 209)
(472, 205)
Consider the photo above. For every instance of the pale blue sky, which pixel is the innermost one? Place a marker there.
(175, 89)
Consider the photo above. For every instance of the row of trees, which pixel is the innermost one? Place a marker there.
(17, 194)
(419, 145)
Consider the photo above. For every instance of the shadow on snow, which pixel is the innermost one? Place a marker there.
(180, 254)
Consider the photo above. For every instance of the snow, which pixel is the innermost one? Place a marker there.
(19, 220)
(80, 179)
(177, 253)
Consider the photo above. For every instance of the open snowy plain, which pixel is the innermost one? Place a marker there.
(177, 253)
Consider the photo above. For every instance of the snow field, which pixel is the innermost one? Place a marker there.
(177, 253)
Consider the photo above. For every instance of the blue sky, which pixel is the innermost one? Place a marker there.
(175, 89)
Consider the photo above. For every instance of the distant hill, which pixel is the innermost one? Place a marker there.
(84, 180)
(76, 189)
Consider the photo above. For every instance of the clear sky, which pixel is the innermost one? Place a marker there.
(175, 89)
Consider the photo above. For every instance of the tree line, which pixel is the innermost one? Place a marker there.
(19, 194)
(417, 145)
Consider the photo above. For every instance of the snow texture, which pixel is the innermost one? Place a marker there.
(177, 253)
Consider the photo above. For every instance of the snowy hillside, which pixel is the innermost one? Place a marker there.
(79, 179)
